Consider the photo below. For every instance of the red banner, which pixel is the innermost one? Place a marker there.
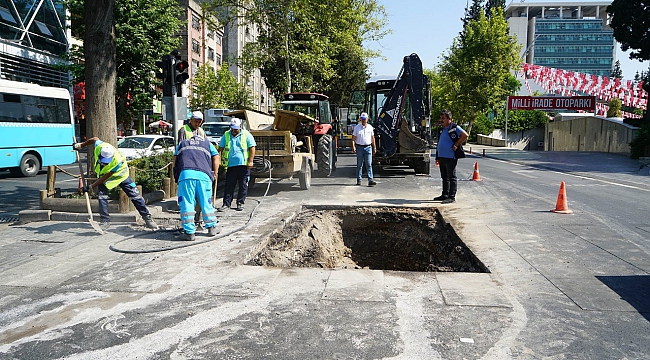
(586, 103)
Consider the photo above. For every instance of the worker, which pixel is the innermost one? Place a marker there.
(448, 151)
(363, 138)
(196, 165)
(193, 127)
(113, 171)
(237, 150)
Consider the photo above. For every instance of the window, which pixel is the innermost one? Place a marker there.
(195, 67)
(210, 53)
(218, 61)
(210, 34)
(25, 108)
(218, 39)
(195, 22)
(195, 46)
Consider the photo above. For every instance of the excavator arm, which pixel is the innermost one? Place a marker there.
(393, 130)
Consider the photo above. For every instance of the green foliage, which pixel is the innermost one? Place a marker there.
(490, 4)
(145, 31)
(629, 19)
(308, 45)
(147, 171)
(520, 120)
(218, 90)
(482, 125)
(641, 142)
(615, 105)
(617, 73)
(476, 73)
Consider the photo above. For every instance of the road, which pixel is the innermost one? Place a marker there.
(22, 193)
(560, 286)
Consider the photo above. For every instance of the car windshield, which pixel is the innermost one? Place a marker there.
(135, 143)
(215, 129)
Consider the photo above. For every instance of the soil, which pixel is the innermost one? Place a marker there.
(385, 238)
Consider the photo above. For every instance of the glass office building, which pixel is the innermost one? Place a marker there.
(33, 38)
(571, 36)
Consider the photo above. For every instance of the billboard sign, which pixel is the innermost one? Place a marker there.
(585, 103)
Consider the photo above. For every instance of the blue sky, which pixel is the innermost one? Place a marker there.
(427, 28)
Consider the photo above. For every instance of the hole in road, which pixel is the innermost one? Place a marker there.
(379, 238)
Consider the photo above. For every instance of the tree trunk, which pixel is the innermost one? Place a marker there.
(99, 55)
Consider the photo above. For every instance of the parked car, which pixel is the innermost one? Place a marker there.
(137, 146)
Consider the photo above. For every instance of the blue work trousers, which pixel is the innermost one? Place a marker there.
(188, 192)
(236, 175)
(364, 154)
(131, 191)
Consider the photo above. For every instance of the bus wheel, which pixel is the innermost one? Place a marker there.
(29, 166)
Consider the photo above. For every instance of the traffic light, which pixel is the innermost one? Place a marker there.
(179, 72)
(165, 67)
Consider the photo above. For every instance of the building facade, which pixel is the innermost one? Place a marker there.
(237, 34)
(201, 40)
(572, 36)
(32, 40)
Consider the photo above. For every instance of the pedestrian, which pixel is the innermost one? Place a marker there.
(237, 149)
(196, 165)
(449, 150)
(112, 171)
(363, 137)
(193, 127)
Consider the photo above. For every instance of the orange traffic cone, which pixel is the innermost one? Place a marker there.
(561, 206)
(476, 176)
(437, 164)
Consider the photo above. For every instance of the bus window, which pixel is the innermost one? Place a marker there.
(12, 110)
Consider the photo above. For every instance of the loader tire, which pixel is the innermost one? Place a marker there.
(325, 155)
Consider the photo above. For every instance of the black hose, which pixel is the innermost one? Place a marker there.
(263, 164)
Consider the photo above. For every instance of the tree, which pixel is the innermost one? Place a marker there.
(491, 4)
(144, 32)
(520, 120)
(308, 45)
(471, 13)
(478, 71)
(617, 73)
(204, 89)
(99, 55)
(629, 19)
(614, 110)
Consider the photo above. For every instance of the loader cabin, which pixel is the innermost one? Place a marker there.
(313, 105)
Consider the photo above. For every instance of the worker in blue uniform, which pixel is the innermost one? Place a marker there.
(196, 166)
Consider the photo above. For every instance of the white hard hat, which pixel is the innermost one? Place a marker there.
(106, 154)
(363, 116)
(197, 115)
(235, 123)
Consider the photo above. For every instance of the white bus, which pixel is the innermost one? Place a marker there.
(36, 127)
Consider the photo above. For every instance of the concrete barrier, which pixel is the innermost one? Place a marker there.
(26, 216)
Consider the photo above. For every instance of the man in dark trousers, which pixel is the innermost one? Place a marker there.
(448, 152)
(237, 149)
(112, 170)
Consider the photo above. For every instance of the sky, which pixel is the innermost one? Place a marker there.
(427, 28)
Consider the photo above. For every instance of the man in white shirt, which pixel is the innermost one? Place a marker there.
(363, 144)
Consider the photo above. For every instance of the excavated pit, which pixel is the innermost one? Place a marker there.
(378, 238)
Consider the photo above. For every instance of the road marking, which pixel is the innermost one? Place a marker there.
(526, 173)
(579, 176)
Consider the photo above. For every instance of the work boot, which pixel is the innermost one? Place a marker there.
(212, 231)
(148, 222)
(440, 198)
(188, 237)
(223, 208)
(372, 183)
(358, 182)
(449, 200)
(239, 207)
(104, 225)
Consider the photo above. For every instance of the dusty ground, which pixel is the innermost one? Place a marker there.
(386, 238)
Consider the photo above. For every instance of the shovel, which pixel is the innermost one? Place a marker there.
(93, 223)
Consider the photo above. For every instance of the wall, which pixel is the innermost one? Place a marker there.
(524, 140)
(590, 133)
